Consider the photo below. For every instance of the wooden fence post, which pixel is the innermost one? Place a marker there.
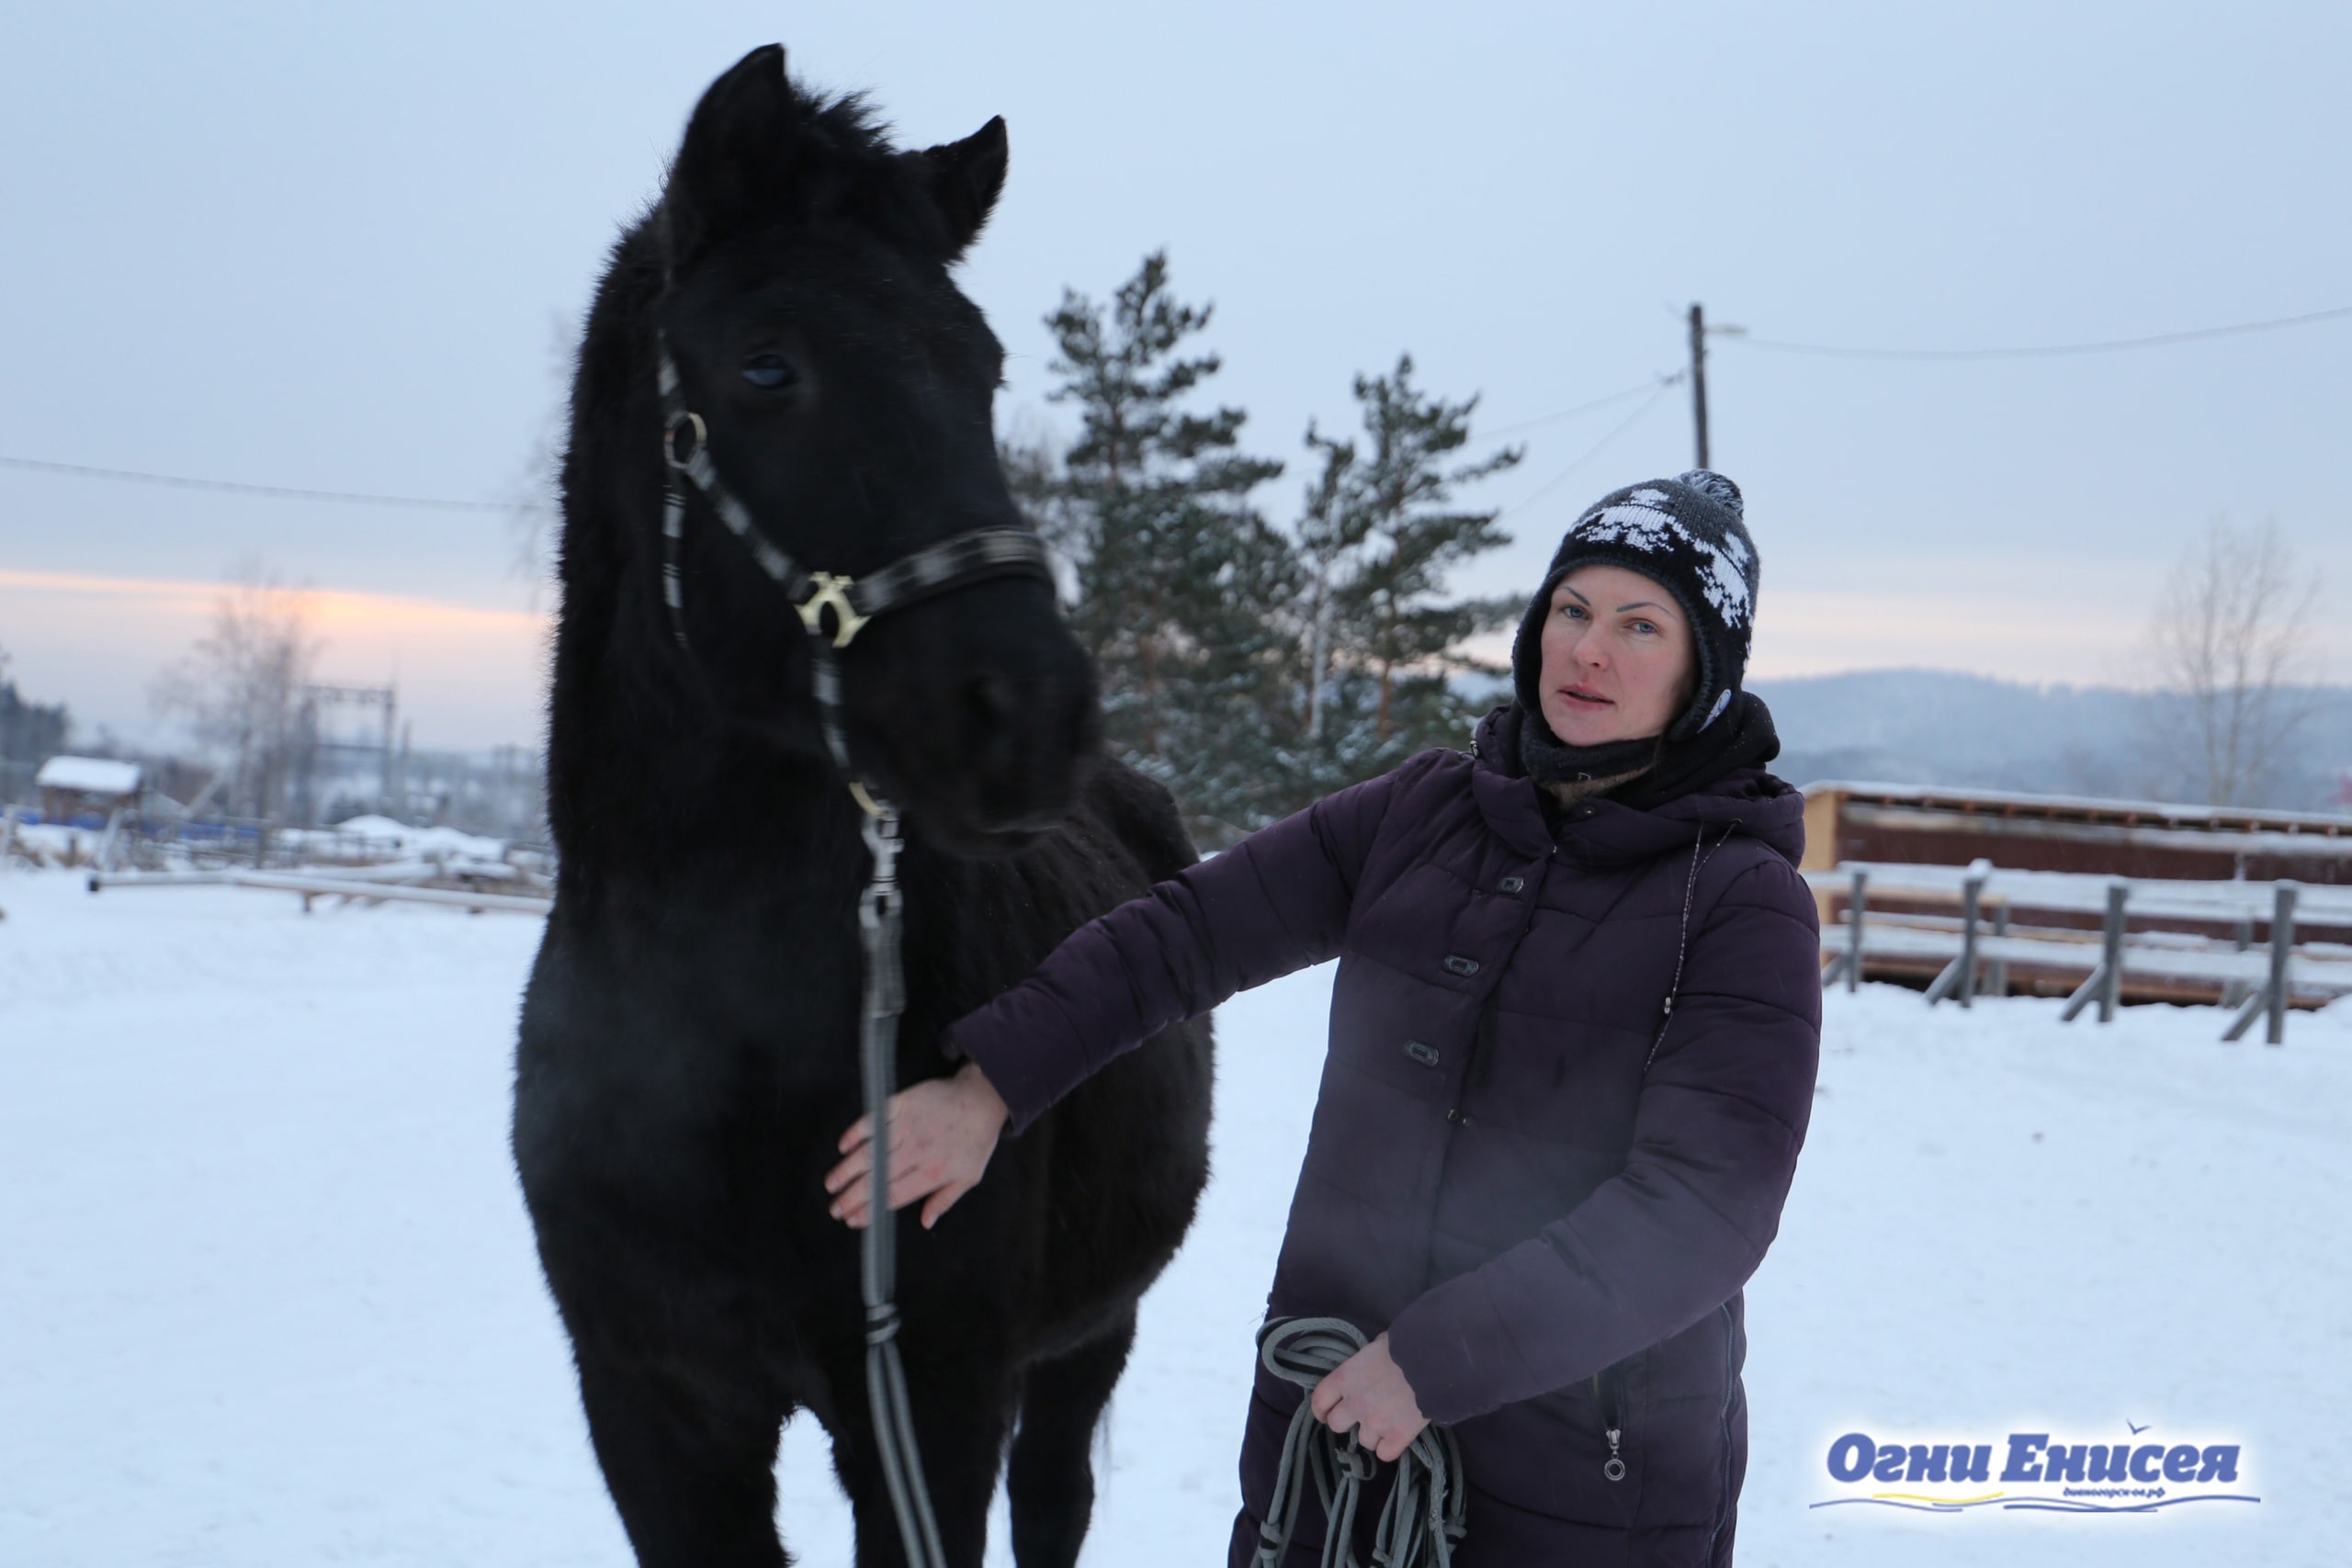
(2282, 947)
(1855, 908)
(2111, 993)
(1972, 899)
(1997, 974)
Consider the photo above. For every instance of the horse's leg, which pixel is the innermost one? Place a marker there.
(689, 1456)
(959, 1418)
(1051, 1479)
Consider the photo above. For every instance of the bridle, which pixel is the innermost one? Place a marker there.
(953, 562)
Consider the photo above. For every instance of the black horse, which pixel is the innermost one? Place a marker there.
(688, 1046)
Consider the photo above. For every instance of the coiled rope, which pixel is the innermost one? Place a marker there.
(1424, 1508)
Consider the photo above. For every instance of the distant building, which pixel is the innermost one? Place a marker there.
(1929, 825)
(86, 788)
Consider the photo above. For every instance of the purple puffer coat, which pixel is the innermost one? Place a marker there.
(1550, 1206)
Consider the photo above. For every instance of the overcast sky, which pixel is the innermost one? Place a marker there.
(347, 248)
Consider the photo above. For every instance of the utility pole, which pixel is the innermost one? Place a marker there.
(1698, 379)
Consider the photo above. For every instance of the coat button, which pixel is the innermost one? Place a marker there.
(1460, 966)
(1512, 883)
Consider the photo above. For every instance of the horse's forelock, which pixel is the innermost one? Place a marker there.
(833, 159)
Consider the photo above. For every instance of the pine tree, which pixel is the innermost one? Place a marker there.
(1377, 538)
(1183, 593)
(30, 733)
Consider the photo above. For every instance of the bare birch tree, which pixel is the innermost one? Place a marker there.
(2230, 649)
(242, 689)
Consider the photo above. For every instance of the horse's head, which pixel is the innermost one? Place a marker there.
(844, 385)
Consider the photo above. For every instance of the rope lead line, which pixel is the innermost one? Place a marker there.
(885, 1377)
(1424, 1508)
(944, 566)
(953, 562)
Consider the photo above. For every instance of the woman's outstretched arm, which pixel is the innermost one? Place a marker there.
(1275, 902)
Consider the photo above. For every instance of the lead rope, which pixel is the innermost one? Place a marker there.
(879, 911)
(1426, 1506)
(885, 1377)
(880, 929)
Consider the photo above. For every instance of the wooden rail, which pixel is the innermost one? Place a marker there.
(1981, 949)
(349, 890)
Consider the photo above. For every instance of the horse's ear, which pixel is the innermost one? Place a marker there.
(736, 166)
(966, 177)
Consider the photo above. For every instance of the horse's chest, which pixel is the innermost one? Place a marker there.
(646, 1061)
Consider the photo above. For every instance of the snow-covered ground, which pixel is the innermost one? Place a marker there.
(267, 1294)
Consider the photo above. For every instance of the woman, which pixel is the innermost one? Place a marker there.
(1574, 1034)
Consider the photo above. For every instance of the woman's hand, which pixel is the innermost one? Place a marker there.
(1369, 1392)
(941, 1133)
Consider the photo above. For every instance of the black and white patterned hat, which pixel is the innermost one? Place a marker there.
(1685, 534)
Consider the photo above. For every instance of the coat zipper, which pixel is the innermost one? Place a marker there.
(1609, 1395)
(1479, 1070)
(1723, 1508)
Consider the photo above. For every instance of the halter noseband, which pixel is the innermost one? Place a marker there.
(952, 563)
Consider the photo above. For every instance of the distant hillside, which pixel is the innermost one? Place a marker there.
(1936, 727)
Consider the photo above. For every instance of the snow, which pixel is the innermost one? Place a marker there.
(427, 843)
(90, 775)
(269, 1296)
(49, 843)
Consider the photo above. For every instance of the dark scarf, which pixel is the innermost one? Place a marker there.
(1742, 737)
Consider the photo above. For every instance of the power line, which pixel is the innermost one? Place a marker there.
(279, 492)
(1775, 345)
(1570, 413)
(437, 503)
(1664, 384)
(2105, 345)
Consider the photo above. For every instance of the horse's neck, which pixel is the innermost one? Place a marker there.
(665, 797)
(651, 786)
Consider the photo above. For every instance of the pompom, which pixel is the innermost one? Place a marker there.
(1716, 487)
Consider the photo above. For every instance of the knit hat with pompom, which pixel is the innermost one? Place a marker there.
(1685, 533)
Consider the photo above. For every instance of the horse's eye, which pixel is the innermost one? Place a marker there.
(769, 371)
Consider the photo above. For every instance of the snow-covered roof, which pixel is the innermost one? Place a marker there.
(90, 775)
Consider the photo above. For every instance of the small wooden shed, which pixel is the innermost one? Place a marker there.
(83, 788)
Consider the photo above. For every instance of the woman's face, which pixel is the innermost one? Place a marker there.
(1618, 660)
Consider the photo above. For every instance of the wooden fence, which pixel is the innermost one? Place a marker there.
(2196, 940)
(355, 885)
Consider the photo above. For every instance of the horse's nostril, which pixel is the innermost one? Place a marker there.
(990, 722)
(989, 703)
